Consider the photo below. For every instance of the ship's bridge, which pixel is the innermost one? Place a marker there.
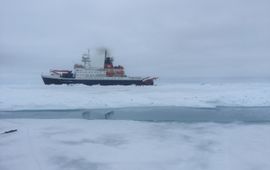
(83, 73)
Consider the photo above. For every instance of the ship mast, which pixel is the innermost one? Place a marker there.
(86, 59)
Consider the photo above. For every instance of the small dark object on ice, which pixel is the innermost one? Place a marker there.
(10, 131)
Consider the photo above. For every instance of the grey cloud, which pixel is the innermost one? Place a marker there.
(166, 38)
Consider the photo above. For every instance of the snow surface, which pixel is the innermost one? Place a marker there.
(79, 144)
(75, 144)
(17, 97)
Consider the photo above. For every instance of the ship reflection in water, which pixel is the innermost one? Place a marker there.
(159, 114)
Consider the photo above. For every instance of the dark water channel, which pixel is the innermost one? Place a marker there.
(168, 113)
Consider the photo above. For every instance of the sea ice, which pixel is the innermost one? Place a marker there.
(75, 144)
(18, 97)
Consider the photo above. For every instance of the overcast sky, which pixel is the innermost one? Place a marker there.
(166, 38)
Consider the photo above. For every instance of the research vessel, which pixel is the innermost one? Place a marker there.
(89, 74)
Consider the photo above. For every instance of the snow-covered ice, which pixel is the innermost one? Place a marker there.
(112, 145)
(79, 144)
(16, 97)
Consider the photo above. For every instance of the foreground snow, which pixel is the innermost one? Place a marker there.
(80, 96)
(113, 145)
